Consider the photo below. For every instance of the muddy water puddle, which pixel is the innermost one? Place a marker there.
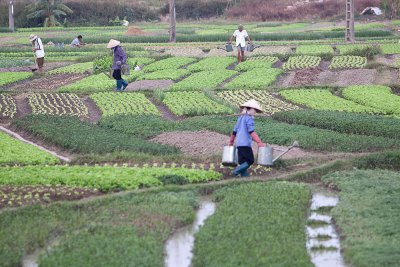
(323, 244)
(179, 246)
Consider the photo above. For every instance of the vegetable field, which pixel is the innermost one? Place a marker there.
(8, 108)
(114, 103)
(94, 177)
(57, 104)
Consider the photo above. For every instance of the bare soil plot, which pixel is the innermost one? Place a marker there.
(149, 85)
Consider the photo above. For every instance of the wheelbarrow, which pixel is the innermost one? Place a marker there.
(228, 47)
(265, 154)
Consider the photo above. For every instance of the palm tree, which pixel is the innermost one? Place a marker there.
(50, 10)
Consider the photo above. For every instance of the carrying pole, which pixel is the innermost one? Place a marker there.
(350, 36)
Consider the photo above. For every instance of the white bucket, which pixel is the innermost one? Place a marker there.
(230, 156)
(265, 156)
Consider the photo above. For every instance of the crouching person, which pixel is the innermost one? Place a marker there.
(244, 133)
(119, 59)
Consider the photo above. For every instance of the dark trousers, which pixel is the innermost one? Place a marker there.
(245, 154)
(117, 74)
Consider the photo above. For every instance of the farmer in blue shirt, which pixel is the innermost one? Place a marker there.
(244, 134)
(119, 59)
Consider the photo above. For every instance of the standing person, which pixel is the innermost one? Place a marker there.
(119, 59)
(240, 34)
(77, 42)
(38, 49)
(244, 133)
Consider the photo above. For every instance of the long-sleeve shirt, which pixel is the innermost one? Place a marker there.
(119, 55)
(243, 129)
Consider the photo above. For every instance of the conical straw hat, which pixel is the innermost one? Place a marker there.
(252, 104)
(113, 43)
(32, 37)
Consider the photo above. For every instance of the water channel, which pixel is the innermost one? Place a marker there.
(325, 237)
(179, 246)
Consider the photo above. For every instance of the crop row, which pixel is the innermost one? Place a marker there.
(101, 178)
(301, 62)
(169, 63)
(270, 219)
(11, 77)
(271, 131)
(316, 50)
(193, 103)
(348, 62)
(59, 104)
(16, 152)
(254, 64)
(74, 68)
(203, 80)
(212, 63)
(168, 74)
(254, 79)
(271, 59)
(322, 99)
(269, 103)
(343, 122)
(390, 48)
(77, 136)
(8, 108)
(130, 103)
(98, 82)
(375, 96)
(21, 195)
(105, 62)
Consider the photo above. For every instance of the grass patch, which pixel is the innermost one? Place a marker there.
(368, 214)
(343, 122)
(82, 137)
(16, 152)
(321, 237)
(102, 178)
(324, 209)
(316, 223)
(127, 230)
(323, 248)
(255, 224)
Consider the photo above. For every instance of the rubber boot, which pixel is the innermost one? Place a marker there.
(119, 85)
(239, 169)
(124, 85)
(245, 173)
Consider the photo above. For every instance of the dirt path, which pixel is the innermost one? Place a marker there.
(94, 111)
(49, 66)
(23, 107)
(46, 83)
(149, 85)
(19, 137)
(166, 113)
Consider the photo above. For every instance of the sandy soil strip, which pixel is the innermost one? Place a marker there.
(17, 136)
